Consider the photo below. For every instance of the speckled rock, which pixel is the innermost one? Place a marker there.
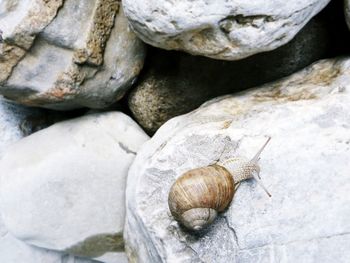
(51, 57)
(305, 167)
(175, 83)
(220, 29)
(63, 187)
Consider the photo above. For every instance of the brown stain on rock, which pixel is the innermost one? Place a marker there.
(98, 245)
(277, 94)
(321, 75)
(226, 124)
(86, 62)
(103, 22)
(13, 50)
(9, 57)
(64, 89)
(324, 76)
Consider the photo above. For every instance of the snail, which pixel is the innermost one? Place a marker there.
(198, 195)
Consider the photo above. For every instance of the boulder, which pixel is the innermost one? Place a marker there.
(16, 122)
(63, 187)
(175, 83)
(13, 123)
(305, 167)
(51, 57)
(13, 250)
(228, 30)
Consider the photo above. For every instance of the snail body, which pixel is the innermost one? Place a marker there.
(200, 194)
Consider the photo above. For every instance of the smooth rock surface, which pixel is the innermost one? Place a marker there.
(13, 118)
(305, 167)
(13, 250)
(16, 122)
(53, 58)
(63, 187)
(175, 83)
(220, 29)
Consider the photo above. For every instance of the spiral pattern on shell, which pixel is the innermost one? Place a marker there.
(206, 191)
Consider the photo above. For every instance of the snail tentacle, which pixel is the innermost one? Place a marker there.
(242, 169)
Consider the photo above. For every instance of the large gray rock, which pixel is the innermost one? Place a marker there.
(13, 119)
(67, 54)
(63, 187)
(15, 123)
(306, 168)
(220, 29)
(175, 83)
(13, 250)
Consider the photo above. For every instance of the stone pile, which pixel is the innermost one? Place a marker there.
(89, 185)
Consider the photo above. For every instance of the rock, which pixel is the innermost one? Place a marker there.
(305, 167)
(17, 121)
(62, 188)
(12, 123)
(222, 29)
(174, 83)
(54, 59)
(13, 250)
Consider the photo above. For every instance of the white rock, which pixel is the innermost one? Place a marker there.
(176, 83)
(306, 168)
(11, 119)
(63, 187)
(15, 122)
(13, 250)
(220, 29)
(67, 54)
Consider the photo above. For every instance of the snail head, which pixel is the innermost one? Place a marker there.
(241, 169)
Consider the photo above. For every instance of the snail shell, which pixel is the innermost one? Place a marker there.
(199, 194)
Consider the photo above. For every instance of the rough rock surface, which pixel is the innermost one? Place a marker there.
(220, 29)
(67, 54)
(63, 187)
(305, 167)
(175, 83)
